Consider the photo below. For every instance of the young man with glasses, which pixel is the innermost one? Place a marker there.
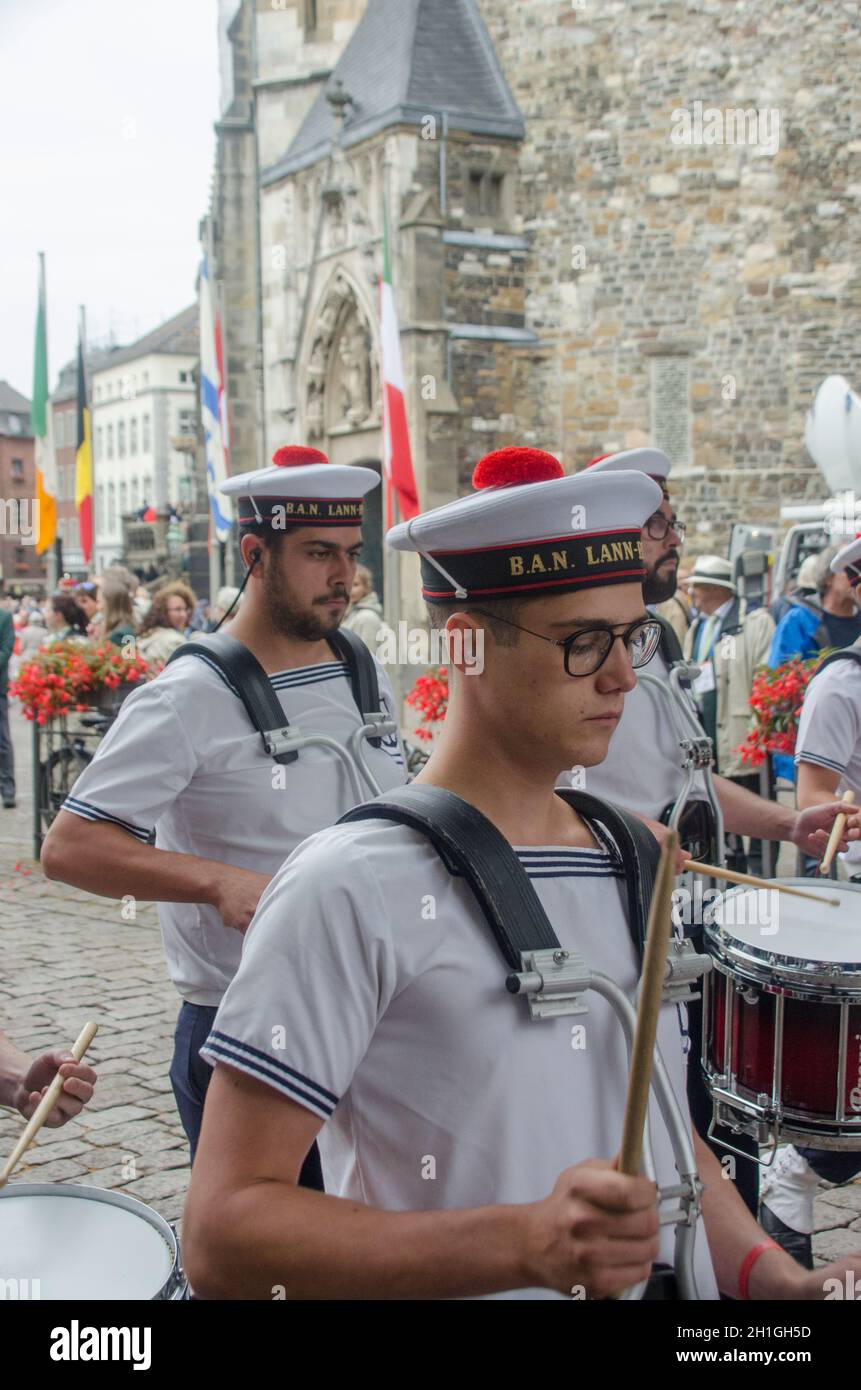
(468, 1149)
(185, 760)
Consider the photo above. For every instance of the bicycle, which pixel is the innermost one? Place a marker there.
(58, 772)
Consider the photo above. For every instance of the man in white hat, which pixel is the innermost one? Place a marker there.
(828, 763)
(183, 760)
(643, 768)
(468, 1149)
(728, 643)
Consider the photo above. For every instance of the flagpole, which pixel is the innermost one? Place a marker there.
(82, 338)
(54, 558)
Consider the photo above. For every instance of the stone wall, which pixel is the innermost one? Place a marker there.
(742, 261)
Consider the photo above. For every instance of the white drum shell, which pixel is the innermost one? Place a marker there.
(80, 1243)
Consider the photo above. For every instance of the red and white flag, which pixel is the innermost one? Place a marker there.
(397, 457)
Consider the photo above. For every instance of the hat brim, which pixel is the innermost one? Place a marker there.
(708, 581)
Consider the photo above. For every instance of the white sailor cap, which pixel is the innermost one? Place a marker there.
(301, 488)
(529, 529)
(653, 462)
(849, 559)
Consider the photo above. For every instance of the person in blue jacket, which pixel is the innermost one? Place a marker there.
(814, 623)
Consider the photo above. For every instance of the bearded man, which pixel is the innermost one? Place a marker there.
(184, 761)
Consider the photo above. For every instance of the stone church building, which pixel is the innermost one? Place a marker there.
(611, 224)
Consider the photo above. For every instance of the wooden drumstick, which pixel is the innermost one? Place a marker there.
(46, 1104)
(651, 989)
(648, 1009)
(837, 829)
(771, 885)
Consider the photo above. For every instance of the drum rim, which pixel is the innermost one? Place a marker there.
(794, 1127)
(765, 965)
(107, 1195)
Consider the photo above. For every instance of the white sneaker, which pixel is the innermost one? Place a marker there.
(788, 1187)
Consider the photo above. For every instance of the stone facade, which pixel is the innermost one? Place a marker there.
(741, 262)
(612, 277)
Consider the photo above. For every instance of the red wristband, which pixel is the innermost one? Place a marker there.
(748, 1263)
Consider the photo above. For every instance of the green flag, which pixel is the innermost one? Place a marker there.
(40, 367)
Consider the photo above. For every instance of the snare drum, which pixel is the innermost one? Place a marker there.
(63, 1241)
(782, 1015)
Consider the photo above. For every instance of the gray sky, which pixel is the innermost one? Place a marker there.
(106, 151)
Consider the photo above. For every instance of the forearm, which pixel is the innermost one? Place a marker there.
(101, 858)
(13, 1068)
(732, 1233)
(745, 813)
(272, 1236)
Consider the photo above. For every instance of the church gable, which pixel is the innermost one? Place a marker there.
(406, 59)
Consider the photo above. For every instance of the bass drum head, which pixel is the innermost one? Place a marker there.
(82, 1243)
(789, 932)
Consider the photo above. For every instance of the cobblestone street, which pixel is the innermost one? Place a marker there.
(66, 956)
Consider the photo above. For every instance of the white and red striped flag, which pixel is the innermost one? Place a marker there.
(397, 456)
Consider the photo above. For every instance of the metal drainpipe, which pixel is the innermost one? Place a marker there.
(259, 380)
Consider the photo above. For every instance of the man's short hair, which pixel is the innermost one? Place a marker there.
(508, 609)
(266, 532)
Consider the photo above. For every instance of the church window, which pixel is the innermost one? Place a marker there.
(484, 194)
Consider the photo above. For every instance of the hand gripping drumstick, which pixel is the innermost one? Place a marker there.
(771, 885)
(46, 1104)
(837, 832)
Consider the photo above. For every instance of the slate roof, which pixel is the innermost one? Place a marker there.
(408, 59)
(178, 335)
(10, 399)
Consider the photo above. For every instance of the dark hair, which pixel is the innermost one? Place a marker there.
(267, 533)
(507, 608)
(72, 612)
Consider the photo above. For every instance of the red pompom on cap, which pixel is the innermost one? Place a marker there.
(505, 467)
(294, 455)
(599, 458)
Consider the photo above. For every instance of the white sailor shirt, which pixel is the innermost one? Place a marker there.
(372, 992)
(184, 760)
(829, 732)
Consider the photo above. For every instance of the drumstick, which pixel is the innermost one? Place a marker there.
(714, 871)
(837, 832)
(47, 1103)
(651, 989)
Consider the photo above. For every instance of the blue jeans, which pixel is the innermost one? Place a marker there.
(7, 759)
(190, 1076)
(189, 1073)
(832, 1166)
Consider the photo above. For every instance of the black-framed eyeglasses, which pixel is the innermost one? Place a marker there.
(659, 527)
(586, 651)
